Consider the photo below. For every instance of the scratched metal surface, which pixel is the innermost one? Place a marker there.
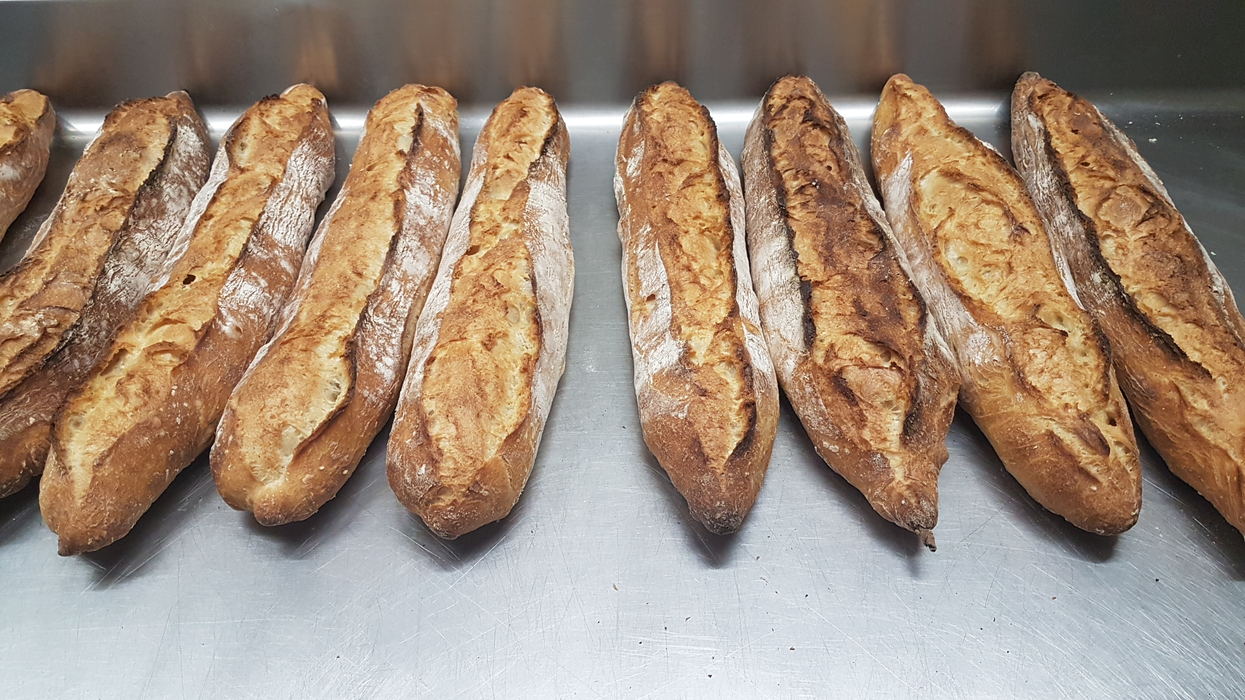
(599, 585)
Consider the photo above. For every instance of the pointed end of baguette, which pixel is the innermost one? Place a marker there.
(927, 538)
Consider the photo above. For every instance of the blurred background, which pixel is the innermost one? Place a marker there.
(93, 53)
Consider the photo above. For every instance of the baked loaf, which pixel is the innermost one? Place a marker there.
(706, 389)
(853, 347)
(27, 124)
(1177, 337)
(152, 403)
(95, 258)
(306, 410)
(1035, 368)
(490, 344)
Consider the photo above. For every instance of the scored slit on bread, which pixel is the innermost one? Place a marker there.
(491, 342)
(704, 382)
(300, 420)
(1177, 336)
(1036, 369)
(94, 259)
(152, 404)
(857, 355)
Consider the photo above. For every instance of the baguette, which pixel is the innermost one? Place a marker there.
(1177, 336)
(490, 343)
(152, 403)
(704, 383)
(27, 124)
(854, 349)
(306, 410)
(95, 258)
(1035, 368)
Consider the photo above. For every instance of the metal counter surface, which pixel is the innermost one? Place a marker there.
(600, 585)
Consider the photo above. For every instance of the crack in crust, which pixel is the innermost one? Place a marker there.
(1035, 366)
(1174, 327)
(704, 383)
(873, 388)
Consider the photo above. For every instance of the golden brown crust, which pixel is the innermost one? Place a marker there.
(1175, 330)
(27, 124)
(491, 341)
(1035, 367)
(298, 423)
(95, 258)
(152, 404)
(846, 327)
(705, 386)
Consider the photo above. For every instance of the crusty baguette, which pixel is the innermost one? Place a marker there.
(855, 351)
(95, 259)
(27, 124)
(490, 343)
(152, 403)
(306, 410)
(704, 382)
(1035, 369)
(1177, 337)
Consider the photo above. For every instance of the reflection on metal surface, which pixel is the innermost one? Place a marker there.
(439, 39)
(93, 53)
(320, 46)
(856, 42)
(996, 55)
(868, 34)
(214, 61)
(82, 56)
(532, 36)
(657, 43)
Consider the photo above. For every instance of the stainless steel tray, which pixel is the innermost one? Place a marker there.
(599, 584)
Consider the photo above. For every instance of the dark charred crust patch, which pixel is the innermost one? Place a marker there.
(840, 384)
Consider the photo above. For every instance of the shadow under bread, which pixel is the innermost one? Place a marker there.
(182, 505)
(1206, 528)
(298, 539)
(895, 539)
(19, 513)
(1020, 506)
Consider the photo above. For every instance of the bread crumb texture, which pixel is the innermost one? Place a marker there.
(477, 385)
(688, 207)
(43, 296)
(137, 379)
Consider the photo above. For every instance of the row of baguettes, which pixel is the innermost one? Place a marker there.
(133, 328)
(162, 306)
(1025, 297)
